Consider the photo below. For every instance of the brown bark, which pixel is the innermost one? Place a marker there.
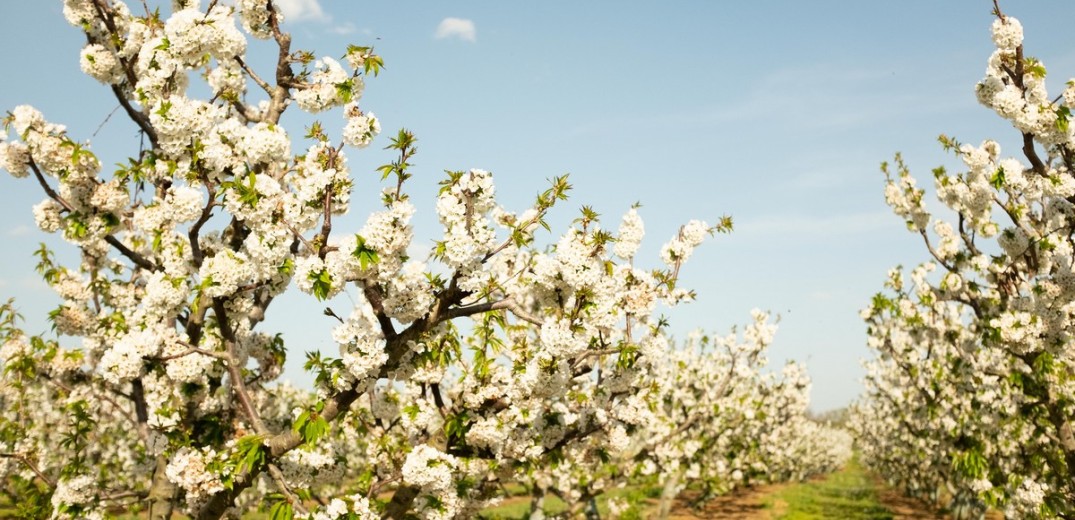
(162, 493)
(402, 502)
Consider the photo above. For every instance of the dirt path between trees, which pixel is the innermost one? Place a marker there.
(851, 493)
(848, 494)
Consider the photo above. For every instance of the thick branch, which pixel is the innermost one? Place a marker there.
(401, 503)
(284, 76)
(1032, 154)
(375, 297)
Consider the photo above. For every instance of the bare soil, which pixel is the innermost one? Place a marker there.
(764, 503)
(746, 504)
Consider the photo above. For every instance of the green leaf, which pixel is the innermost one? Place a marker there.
(165, 106)
(1034, 67)
(322, 283)
(373, 63)
(251, 453)
(366, 255)
(345, 90)
(76, 227)
(455, 427)
(311, 425)
(997, 180)
(1063, 118)
(282, 511)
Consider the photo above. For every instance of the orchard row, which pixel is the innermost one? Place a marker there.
(971, 398)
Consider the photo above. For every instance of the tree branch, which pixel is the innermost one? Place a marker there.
(238, 384)
(30, 465)
(254, 76)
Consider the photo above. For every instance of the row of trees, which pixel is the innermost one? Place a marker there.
(970, 399)
(498, 362)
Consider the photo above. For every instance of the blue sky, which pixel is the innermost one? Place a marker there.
(777, 113)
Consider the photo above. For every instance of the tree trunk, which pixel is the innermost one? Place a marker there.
(576, 509)
(668, 495)
(537, 504)
(161, 496)
(402, 502)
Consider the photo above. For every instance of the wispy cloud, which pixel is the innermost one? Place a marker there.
(456, 28)
(302, 10)
(20, 230)
(803, 99)
(817, 226)
(344, 28)
(821, 296)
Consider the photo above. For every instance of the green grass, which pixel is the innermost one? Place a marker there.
(847, 494)
(519, 506)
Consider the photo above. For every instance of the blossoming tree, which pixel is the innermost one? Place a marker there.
(491, 360)
(711, 419)
(971, 391)
(168, 397)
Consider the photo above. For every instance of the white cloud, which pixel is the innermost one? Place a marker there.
(19, 231)
(821, 296)
(456, 28)
(299, 10)
(344, 28)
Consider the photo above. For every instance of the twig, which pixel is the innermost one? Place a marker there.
(139, 118)
(235, 371)
(119, 495)
(254, 76)
(207, 212)
(332, 313)
(138, 259)
(326, 223)
(26, 461)
(102, 125)
(195, 350)
(301, 238)
(292, 499)
(48, 189)
(209, 9)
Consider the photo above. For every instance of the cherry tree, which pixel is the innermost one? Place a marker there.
(971, 391)
(489, 359)
(725, 421)
(168, 400)
(712, 419)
